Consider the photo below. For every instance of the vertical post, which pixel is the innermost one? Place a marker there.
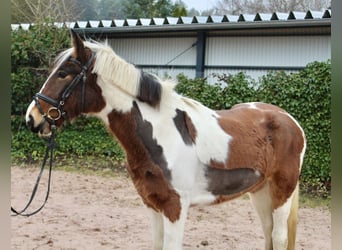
(200, 54)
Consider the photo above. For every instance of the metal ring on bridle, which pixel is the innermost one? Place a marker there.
(54, 110)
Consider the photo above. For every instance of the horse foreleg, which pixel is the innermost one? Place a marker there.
(157, 229)
(173, 231)
(262, 202)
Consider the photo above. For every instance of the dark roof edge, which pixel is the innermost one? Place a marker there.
(169, 22)
(208, 26)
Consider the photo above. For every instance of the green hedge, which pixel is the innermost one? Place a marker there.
(306, 95)
(31, 55)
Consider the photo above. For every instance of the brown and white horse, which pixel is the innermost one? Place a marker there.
(179, 152)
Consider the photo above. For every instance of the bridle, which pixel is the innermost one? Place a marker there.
(53, 114)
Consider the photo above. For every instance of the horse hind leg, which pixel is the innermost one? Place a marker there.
(285, 223)
(292, 220)
(279, 226)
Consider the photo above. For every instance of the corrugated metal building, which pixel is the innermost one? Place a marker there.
(201, 45)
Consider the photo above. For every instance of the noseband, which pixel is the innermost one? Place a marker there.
(55, 112)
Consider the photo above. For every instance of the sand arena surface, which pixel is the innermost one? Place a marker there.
(93, 212)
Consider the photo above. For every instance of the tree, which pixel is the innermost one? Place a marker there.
(179, 9)
(35, 11)
(147, 8)
(110, 9)
(163, 8)
(297, 5)
(86, 9)
(236, 7)
(193, 12)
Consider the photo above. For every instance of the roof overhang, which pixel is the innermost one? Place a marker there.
(278, 27)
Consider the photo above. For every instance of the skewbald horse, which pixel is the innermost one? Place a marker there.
(179, 152)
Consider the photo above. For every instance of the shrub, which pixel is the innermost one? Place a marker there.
(32, 53)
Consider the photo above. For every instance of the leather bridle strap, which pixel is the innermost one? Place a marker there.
(58, 105)
(48, 154)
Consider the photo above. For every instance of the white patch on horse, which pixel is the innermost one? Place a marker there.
(59, 60)
(257, 173)
(103, 114)
(200, 194)
(212, 143)
(252, 105)
(29, 110)
(183, 160)
(280, 230)
(114, 97)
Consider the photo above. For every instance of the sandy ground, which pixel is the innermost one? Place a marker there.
(93, 212)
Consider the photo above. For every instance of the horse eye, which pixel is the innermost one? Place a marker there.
(62, 74)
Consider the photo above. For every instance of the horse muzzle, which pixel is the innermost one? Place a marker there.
(43, 129)
(37, 123)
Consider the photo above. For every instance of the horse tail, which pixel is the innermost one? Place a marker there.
(292, 220)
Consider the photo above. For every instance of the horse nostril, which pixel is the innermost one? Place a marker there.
(29, 122)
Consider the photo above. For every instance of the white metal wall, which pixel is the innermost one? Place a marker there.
(235, 52)
(156, 51)
(280, 51)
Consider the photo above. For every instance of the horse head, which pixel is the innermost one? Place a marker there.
(70, 90)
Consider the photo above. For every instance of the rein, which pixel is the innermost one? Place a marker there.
(53, 114)
(48, 154)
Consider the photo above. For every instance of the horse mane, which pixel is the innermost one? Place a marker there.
(115, 70)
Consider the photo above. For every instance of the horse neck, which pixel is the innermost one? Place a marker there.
(134, 134)
(113, 70)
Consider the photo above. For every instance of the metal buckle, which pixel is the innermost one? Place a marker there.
(54, 113)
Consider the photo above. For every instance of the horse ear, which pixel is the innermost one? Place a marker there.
(77, 43)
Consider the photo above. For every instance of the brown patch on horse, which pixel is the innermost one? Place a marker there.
(94, 101)
(144, 130)
(185, 127)
(150, 89)
(266, 140)
(231, 181)
(148, 177)
(191, 128)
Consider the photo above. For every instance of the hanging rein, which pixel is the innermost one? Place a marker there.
(53, 114)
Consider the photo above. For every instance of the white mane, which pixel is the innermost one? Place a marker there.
(113, 69)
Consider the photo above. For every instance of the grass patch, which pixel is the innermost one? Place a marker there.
(308, 201)
(89, 165)
(311, 201)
